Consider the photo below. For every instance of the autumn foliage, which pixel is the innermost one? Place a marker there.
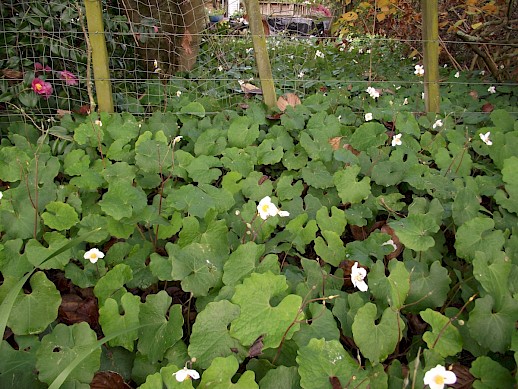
(474, 34)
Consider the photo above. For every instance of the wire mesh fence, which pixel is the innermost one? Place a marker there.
(161, 52)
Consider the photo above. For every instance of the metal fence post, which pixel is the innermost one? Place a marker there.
(103, 87)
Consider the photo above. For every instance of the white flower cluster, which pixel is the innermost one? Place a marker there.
(372, 92)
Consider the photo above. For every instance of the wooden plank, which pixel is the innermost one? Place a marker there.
(100, 64)
(261, 53)
(429, 9)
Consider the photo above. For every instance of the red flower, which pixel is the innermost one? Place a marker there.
(42, 88)
(69, 77)
(38, 67)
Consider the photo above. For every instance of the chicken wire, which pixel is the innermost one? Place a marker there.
(156, 58)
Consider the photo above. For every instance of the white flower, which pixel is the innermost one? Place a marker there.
(390, 242)
(266, 208)
(319, 54)
(220, 68)
(422, 95)
(93, 255)
(438, 123)
(396, 140)
(183, 374)
(177, 139)
(405, 102)
(457, 75)
(99, 123)
(357, 277)
(372, 92)
(368, 116)
(1, 195)
(482, 72)
(491, 89)
(437, 377)
(485, 138)
(360, 51)
(419, 70)
(178, 93)
(301, 74)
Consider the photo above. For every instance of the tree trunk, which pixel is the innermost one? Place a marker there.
(167, 32)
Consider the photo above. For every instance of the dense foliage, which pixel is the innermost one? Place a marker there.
(425, 204)
(348, 241)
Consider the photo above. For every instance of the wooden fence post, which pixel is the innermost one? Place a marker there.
(261, 53)
(103, 87)
(430, 11)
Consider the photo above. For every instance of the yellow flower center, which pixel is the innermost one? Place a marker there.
(439, 380)
(93, 256)
(265, 207)
(39, 86)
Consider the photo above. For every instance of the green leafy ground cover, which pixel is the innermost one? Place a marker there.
(192, 276)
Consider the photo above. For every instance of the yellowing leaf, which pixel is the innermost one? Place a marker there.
(476, 26)
(490, 8)
(413, 53)
(381, 17)
(349, 16)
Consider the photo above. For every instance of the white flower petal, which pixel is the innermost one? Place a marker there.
(438, 376)
(283, 213)
(183, 374)
(396, 140)
(390, 242)
(93, 255)
(438, 123)
(485, 138)
(266, 208)
(357, 277)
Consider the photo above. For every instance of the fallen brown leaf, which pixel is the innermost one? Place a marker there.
(75, 309)
(289, 99)
(108, 380)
